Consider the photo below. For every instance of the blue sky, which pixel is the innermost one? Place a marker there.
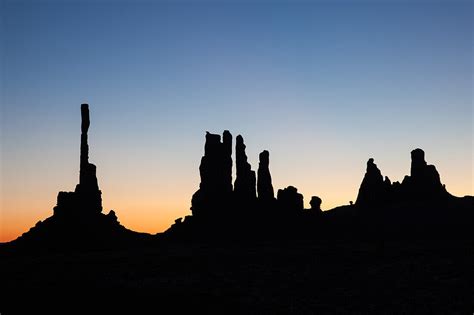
(322, 85)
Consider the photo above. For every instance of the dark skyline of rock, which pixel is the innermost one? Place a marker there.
(247, 201)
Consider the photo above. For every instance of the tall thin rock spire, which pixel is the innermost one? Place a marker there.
(84, 166)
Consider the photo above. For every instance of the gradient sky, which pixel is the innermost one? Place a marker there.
(322, 86)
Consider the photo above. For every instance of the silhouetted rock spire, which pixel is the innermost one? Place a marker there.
(216, 175)
(372, 191)
(88, 186)
(77, 220)
(87, 173)
(87, 197)
(418, 163)
(422, 173)
(264, 180)
(424, 180)
(245, 182)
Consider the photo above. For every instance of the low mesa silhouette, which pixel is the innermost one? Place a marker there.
(247, 209)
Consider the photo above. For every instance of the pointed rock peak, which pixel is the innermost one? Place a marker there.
(370, 164)
(372, 168)
(372, 188)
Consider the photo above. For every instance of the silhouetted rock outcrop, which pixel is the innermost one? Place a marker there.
(424, 180)
(315, 204)
(373, 190)
(245, 182)
(87, 196)
(78, 221)
(290, 200)
(87, 172)
(423, 184)
(219, 209)
(216, 176)
(264, 180)
(228, 213)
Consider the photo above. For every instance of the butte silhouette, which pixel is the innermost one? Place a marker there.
(247, 208)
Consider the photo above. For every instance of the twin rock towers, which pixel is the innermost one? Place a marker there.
(217, 195)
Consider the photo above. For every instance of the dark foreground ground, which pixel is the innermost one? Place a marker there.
(294, 277)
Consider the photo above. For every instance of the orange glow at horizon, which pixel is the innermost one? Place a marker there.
(323, 87)
(140, 213)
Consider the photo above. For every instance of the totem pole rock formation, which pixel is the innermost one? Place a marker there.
(77, 221)
(245, 182)
(264, 180)
(88, 185)
(86, 198)
(215, 170)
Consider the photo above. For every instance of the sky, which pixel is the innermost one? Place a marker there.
(324, 86)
